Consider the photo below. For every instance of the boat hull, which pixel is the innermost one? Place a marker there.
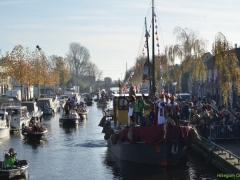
(48, 111)
(90, 103)
(83, 113)
(68, 121)
(4, 132)
(14, 173)
(34, 136)
(163, 154)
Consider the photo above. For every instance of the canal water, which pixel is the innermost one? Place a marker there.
(80, 153)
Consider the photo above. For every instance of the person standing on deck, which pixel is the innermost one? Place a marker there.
(130, 100)
(139, 110)
(173, 109)
(159, 117)
(152, 102)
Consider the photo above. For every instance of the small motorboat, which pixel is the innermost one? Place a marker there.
(70, 118)
(15, 170)
(83, 111)
(34, 133)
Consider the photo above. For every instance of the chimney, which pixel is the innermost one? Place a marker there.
(236, 46)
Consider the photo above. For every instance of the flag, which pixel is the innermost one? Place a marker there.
(209, 79)
(215, 79)
(163, 84)
(161, 69)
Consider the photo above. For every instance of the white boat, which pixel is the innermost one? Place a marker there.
(74, 95)
(48, 105)
(4, 126)
(83, 112)
(62, 101)
(18, 115)
(71, 118)
(35, 112)
(19, 169)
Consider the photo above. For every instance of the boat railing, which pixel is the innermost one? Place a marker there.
(215, 147)
(11, 104)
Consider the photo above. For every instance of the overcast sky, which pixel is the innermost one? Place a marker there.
(110, 29)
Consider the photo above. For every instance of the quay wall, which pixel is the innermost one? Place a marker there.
(220, 159)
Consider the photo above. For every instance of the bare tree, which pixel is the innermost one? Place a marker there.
(78, 58)
(92, 70)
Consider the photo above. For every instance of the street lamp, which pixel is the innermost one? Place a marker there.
(39, 49)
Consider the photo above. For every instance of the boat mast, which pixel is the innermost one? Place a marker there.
(153, 61)
(149, 71)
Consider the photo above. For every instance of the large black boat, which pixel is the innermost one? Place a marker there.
(159, 144)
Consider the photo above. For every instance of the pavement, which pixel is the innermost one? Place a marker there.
(233, 147)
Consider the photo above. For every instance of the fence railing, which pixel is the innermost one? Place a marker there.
(224, 132)
(223, 151)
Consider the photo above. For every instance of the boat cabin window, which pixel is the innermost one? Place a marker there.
(1, 116)
(122, 104)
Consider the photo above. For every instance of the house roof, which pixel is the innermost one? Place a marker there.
(237, 50)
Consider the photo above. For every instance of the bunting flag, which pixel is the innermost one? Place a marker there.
(145, 70)
(163, 84)
(161, 69)
(215, 79)
(157, 45)
(156, 27)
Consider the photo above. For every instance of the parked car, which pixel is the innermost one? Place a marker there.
(144, 90)
(184, 96)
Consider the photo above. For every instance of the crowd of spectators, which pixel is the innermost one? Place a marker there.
(212, 121)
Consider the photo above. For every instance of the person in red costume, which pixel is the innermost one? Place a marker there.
(160, 111)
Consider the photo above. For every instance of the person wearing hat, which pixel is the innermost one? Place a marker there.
(159, 117)
(10, 159)
(152, 102)
(7, 163)
(13, 154)
(139, 109)
(173, 109)
(130, 103)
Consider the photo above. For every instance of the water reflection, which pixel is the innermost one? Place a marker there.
(128, 170)
(35, 144)
(189, 168)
